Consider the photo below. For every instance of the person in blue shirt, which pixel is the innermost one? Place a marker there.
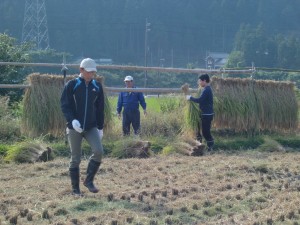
(205, 102)
(130, 102)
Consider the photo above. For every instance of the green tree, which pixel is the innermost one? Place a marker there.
(11, 52)
(288, 52)
(235, 59)
(48, 56)
(256, 46)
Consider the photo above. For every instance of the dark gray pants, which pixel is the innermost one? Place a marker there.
(206, 126)
(75, 140)
(131, 117)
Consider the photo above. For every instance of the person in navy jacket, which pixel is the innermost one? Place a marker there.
(82, 103)
(129, 102)
(205, 102)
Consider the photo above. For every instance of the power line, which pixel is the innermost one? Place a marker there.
(147, 29)
(35, 28)
(138, 68)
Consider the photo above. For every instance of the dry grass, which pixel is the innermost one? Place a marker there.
(252, 106)
(42, 112)
(247, 188)
(8, 122)
(241, 105)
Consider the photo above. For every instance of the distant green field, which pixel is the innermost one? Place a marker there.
(154, 104)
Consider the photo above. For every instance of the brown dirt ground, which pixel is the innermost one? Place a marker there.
(244, 188)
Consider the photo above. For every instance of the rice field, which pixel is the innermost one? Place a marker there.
(250, 187)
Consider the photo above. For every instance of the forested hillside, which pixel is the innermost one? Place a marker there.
(180, 32)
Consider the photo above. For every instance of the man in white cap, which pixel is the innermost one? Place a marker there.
(129, 102)
(82, 103)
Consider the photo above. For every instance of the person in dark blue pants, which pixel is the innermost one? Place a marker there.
(205, 102)
(130, 102)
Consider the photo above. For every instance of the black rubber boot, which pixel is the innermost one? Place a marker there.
(198, 133)
(74, 174)
(92, 169)
(199, 137)
(210, 145)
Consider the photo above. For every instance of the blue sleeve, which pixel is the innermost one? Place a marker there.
(202, 97)
(100, 108)
(194, 99)
(120, 103)
(67, 102)
(142, 100)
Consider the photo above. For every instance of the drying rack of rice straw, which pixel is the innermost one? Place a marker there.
(241, 105)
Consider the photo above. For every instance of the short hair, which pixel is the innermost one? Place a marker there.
(204, 77)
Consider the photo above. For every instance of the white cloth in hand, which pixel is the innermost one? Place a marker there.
(100, 134)
(188, 97)
(76, 125)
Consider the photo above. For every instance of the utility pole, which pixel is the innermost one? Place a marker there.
(161, 64)
(147, 29)
(172, 58)
(64, 70)
(35, 28)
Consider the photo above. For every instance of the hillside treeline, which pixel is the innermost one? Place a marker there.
(180, 32)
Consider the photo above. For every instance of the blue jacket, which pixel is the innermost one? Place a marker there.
(130, 101)
(84, 103)
(205, 101)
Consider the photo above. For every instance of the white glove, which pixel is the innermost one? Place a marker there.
(76, 125)
(188, 97)
(119, 115)
(100, 134)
